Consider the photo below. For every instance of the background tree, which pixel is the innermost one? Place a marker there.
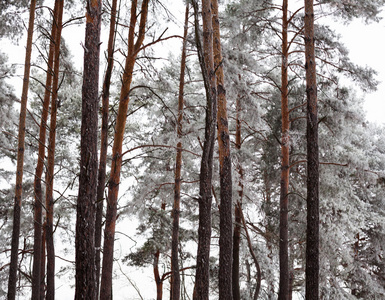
(20, 158)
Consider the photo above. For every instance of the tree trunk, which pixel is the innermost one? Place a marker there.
(226, 218)
(158, 280)
(237, 208)
(85, 287)
(312, 234)
(42, 266)
(113, 186)
(206, 60)
(285, 168)
(37, 245)
(104, 144)
(49, 202)
(175, 276)
(20, 160)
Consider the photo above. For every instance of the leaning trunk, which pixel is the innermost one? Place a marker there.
(85, 287)
(51, 162)
(113, 186)
(226, 218)
(285, 168)
(12, 280)
(312, 234)
(175, 276)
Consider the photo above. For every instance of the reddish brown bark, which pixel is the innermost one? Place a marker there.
(285, 170)
(226, 219)
(85, 283)
(312, 234)
(12, 280)
(49, 202)
(175, 276)
(104, 143)
(37, 246)
(113, 186)
(206, 60)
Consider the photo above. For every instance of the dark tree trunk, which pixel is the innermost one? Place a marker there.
(85, 287)
(312, 234)
(49, 202)
(285, 168)
(226, 218)
(206, 60)
(37, 246)
(42, 266)
(113, 186)
(12, 280)
(158, 279)
(175, 276)
(237, 208)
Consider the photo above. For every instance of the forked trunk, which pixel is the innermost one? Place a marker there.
(226, 211)
(37, 244)
(113, 186)
(49, 202)
(104, 144)
(206, 60)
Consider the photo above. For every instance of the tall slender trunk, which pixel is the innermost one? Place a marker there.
(238, 207)
(113, 186)
(285, 169)
(49, 202)
(312, 234)
(226, 218)
(104, 143)
(206, 60)
(42, 266)
(85, 287)
(20, 159)
(37, 245)
(175, 276)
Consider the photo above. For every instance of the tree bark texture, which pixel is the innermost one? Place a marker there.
(312, 234)
(37, 243)
(175, 276)
(85, 285)
(49, 202)
(226, 218)
(285, 168)
(104, 143)
(237, 208)
(12, 280)
(113, 186)
(206, 60)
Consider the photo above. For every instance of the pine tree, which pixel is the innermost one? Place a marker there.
(20, 159)
(87, 197)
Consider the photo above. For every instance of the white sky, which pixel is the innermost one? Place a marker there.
(366, 46)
